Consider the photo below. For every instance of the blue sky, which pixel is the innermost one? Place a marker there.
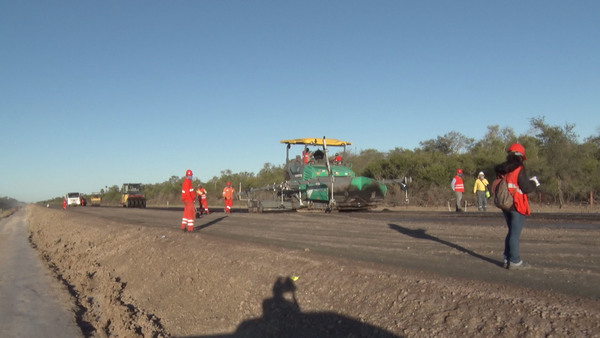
(98, 93)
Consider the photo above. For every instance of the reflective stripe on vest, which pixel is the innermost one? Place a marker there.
(458, 184)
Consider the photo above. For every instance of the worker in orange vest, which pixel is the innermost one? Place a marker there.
(202, 203)
(64, 204)
(519, 185)
(228, 197)
(458, 187)
(188, 196)
(337, 159)
(306, 154)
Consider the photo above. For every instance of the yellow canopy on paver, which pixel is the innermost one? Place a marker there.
(317, 141)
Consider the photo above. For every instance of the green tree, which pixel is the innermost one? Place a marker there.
(589, 167)
(112, 195)
(269, 174)
(451, 143)
(361, 161)
(491, 150)
(568, 170)
(558, 146)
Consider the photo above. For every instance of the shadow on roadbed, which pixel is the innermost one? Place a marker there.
(282, 317)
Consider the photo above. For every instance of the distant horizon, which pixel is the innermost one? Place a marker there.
(349, 149)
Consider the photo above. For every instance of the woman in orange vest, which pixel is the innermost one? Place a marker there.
(458, 187)
(228, 197)
(519, 185)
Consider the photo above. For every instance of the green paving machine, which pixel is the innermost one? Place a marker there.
(318, 180)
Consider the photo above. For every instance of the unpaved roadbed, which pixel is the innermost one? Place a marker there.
(135, 280)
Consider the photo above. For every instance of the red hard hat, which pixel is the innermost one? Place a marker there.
(228, 183)
(189, 173)
(517, 149)
(459, 171)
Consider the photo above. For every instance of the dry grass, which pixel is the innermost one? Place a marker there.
(7, 212)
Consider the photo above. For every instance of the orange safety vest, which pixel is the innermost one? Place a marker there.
(458, 184)
(306, 157)
(519, 198)
(201, 193)
(187, 191)
(228, 192)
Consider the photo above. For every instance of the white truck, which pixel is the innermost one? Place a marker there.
(73, 199)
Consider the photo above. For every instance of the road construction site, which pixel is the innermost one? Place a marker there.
(378, 273)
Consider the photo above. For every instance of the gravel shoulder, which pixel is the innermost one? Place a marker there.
(136, 278)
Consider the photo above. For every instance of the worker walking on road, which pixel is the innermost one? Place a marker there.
(188, 196)
(203, 204)
(480, 190)
(458, 187)
(228, 197)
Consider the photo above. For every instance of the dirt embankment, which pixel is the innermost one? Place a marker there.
(132, 280)
(7, 212)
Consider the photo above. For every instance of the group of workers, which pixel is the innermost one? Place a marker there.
(518, 184)
(189, 195)
(480, 190)
(310, 157)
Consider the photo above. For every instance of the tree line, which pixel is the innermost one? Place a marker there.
(9, 203)
(569, 170)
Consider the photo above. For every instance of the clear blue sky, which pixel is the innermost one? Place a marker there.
(98, 93)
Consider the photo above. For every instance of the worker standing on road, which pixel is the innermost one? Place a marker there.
(458, 187)
(64, 204)
(201, 192)
(228, 197)
(519, 185)
(188, 196)
(479, 190)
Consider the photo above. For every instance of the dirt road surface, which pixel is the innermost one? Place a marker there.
(33, 302)
(427, 274)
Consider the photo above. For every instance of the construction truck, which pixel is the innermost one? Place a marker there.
(73, 199)
(96, 199)
(132, 196)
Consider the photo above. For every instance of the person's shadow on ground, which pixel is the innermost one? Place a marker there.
(206, 225)
(282, 317)
(421, 234)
